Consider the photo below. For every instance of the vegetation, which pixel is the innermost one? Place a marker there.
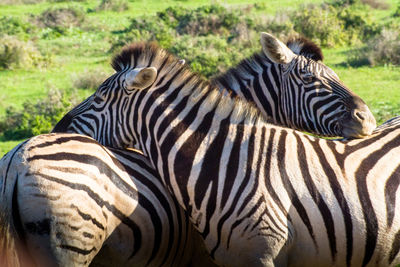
(67, 44)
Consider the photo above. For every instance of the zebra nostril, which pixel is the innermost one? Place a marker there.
(359, 115)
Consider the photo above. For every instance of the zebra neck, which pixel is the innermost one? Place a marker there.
(191, 121)
(256, 80)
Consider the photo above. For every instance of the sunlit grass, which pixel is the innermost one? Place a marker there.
(80, 50)
(6, 146)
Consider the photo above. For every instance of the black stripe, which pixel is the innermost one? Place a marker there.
(391, 186)
(185, 156)
(281, 158)
(65, 139)
(90, 159)
(78, 250)
(209, 174)
(268, 184)
(233, 163)
(316, 196)
(362, 189)
(395, 247)
(88, 217)
(338, 192)
(242, 186)
(257, 174)
(95, 197)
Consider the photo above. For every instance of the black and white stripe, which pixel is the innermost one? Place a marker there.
(305, 95)
(259, 194)
(74, 203)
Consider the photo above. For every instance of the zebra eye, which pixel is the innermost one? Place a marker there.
(308, 78)
(98, 99)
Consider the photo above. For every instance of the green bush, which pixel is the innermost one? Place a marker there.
(205, 20)
(10, 25)
(358, 23)
(18, 54)
(377, 4)
(396, 14)
(320, 24)
(36, 118)
(335, 25)
(146, 29)
(60, 19)
(210, 55)
(18, 2)
(382, 49)
(89, 79)
(114, 5)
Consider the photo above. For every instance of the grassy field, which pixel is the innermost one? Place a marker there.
(83, 50)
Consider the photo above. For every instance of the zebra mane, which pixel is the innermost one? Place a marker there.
(303, 46)
(150, 54)
(140, 53)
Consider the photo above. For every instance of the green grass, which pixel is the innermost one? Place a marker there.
(81, 50)
(6, 146)
(377, 86)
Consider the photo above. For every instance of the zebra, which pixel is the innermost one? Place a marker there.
(301, 47)
(258, 193)
(310, 98)
(262, 80)
(73, 202)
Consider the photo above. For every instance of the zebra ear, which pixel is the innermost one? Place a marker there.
(275, 50)
(140, 78)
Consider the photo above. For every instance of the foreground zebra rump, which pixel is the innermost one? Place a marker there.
(256, 91)
(258, 193)
(305, 94)
(70, 198)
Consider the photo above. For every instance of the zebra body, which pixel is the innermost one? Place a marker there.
(74, 203)
(259, 194)
(245, 71)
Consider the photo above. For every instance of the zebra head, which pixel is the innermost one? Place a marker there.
(312, 97)
(103, 114)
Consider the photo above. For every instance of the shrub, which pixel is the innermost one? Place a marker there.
(213, 19)
(146, 29)
(60, 19)
(319, 24)
(358, 23)
(382, 49)
(18, 54)
(330, 25)
(18, 2)
(36, 118)
(13, 26)
(210, 55)
(377, 4)
(57, 1)
(114, 5)
(397, 12)
(89, 79)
